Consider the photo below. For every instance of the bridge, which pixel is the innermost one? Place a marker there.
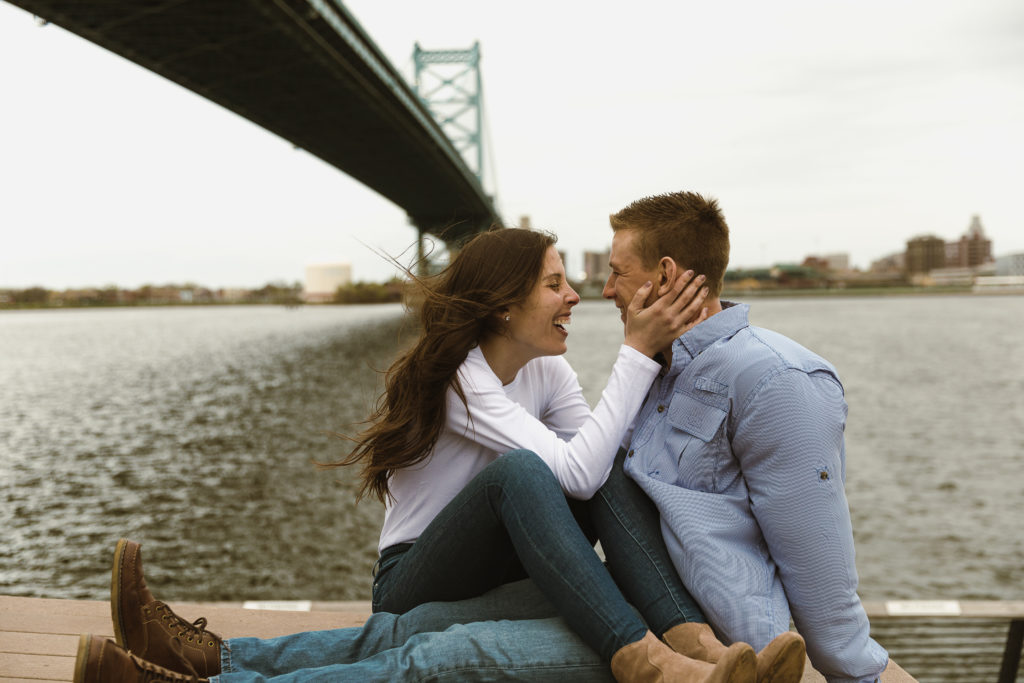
(306, 71)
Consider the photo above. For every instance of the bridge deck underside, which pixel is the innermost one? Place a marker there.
(304, 70)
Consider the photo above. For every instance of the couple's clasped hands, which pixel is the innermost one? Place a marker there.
(676, 311)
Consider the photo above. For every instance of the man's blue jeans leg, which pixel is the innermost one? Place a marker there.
(509, 634)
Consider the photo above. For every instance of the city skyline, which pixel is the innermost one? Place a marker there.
(597, 260)
(820, 128)
(579, 274)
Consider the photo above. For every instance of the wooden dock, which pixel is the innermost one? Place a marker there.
(39, 637)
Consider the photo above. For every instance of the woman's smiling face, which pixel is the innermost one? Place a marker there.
(538, 325)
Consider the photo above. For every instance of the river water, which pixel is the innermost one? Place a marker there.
(194, 431)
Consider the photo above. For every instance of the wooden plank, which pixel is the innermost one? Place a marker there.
(235, 622)
(52, 606)
(36, 643)
(30, 622)
(12, 605)
(72, 617)
(892, 674)
(51, 667)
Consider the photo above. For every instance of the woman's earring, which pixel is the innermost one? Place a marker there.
(507, 317)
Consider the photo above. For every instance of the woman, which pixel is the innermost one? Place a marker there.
(461, 520)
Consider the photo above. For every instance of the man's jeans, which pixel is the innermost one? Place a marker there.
(508, 634)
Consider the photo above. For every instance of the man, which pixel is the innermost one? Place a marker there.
(740, 445)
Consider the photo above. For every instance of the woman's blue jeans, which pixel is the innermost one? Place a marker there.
(629, 526)
(512, 514)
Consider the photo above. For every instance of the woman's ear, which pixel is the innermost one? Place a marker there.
(667, 272)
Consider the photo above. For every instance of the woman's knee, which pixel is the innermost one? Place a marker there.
(522, 465)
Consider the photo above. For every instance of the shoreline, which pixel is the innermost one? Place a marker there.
(728, 294)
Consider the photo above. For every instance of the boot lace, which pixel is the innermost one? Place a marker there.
(151, 673)
(196, 631)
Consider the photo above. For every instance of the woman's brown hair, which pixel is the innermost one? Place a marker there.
(460, 306)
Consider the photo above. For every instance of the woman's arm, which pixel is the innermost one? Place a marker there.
(580, 464)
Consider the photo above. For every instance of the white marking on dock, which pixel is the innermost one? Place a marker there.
(923, 608)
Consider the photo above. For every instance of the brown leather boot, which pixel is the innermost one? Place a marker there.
(781, 661)
(148, 627)
(101, 660)
(651, 661)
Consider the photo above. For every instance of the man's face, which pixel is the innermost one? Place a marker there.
(628, 273)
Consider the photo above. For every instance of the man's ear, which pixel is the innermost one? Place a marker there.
(667, 272)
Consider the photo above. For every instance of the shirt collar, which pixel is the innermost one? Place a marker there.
(731, 319)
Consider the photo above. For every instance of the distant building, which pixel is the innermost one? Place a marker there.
(595, 266)
(798, 276)
(892, 263)
(999, 284)
(924, 254)
(947, 277)
(818, 263)
(838, 263)
(972, 249)
(828, 263)
(322, 281)
(233, 294)
(1010, 265)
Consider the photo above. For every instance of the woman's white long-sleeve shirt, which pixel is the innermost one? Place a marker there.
(542, 410)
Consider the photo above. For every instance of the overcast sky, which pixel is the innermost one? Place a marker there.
(820, 126)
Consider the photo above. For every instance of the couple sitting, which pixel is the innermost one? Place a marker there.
(493, 469)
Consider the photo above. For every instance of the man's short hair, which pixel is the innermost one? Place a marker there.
(685, 226)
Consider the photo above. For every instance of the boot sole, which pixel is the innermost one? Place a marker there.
(115, 594)
(83, 657)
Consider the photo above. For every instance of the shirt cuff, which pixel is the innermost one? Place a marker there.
(644, 361)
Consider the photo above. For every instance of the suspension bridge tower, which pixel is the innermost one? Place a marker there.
(449, 83)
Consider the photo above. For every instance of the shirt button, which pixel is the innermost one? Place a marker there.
(661, 409)
(630, 454)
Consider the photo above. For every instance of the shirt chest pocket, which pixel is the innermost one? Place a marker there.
(697, 439)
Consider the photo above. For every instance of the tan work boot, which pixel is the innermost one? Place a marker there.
(651, 661)
(101, 660)
(781, 661)
(149, 629)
